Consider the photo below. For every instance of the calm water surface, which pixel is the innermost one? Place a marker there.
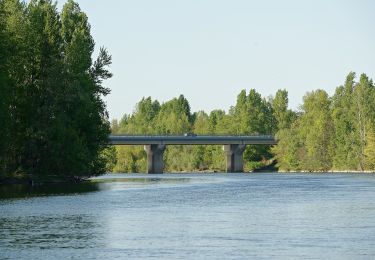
(192, 216)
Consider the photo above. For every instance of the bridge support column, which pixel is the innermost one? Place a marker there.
(234, 156)
(155, 162)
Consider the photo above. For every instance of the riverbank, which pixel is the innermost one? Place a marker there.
(331, 171)
(32, 180)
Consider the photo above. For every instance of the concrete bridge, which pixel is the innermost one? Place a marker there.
(155, 145)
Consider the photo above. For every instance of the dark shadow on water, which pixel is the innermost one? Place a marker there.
(93, 185)
(27, 190)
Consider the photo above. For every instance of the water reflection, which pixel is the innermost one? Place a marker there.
(146, 180)
(26, 190)
(95, 184)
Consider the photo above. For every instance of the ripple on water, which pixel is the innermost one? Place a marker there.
(194, 216)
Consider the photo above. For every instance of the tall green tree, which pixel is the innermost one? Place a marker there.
(353, 117)
(55, 119)
(316, 131)
(174, 117)
(364, 115)
(369, 149)
(289, 150)
(343, 115)
(216, 116)
(4, 91)
(44, 88)
(142, 121)
(284, 117)
(201, 154)
(85, 83)
(14, 74)
(289, 145)
(253, 115)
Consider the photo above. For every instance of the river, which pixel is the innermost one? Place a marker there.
(192, 216)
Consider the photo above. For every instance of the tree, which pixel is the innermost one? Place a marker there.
(283, 116)
(174, 117)
(115, 128)
(201, 127)
(353, 116)
(215, 117)
(288, 149)
(362, 99)
(53, 91)
(142, 120)
(316, 131)
(369, 149)
(84, 81)
(327, 133)
(343, 114)
(44, 90)
(253, 115)
(4, 91)
(201, 123)
(13, 75)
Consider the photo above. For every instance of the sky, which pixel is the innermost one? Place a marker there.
(209, 50)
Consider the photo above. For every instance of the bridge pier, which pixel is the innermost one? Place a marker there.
(155, 162)
(234, 156)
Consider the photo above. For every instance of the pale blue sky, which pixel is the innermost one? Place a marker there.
(209, 50)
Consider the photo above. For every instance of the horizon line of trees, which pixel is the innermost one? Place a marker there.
(53, 121)
(325, 133)
(175, 117)
(332, 133)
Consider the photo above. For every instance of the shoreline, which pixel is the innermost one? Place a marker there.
(249, 172)
(27, 180)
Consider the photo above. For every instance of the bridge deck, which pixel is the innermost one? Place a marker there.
(190, 140)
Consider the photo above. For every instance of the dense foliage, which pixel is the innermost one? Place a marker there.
(52, 117)
(326, 133)
(252, 114)
(332, 133)
(53, 121)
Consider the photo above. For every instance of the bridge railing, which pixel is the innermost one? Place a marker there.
(191, 139)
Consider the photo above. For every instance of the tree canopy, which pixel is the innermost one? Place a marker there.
(331, 133)
(54, 122)
(53, 119)
(326, 133)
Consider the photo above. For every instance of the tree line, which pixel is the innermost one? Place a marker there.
(53, 120)
(252, 114)
(325, 133)
(332, 133)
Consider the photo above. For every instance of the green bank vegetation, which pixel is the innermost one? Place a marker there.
(53, 121)
(252, 114)
(332, 133)
(326, 133)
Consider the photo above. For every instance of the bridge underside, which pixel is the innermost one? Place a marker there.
(154, 146)
(233, 153)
